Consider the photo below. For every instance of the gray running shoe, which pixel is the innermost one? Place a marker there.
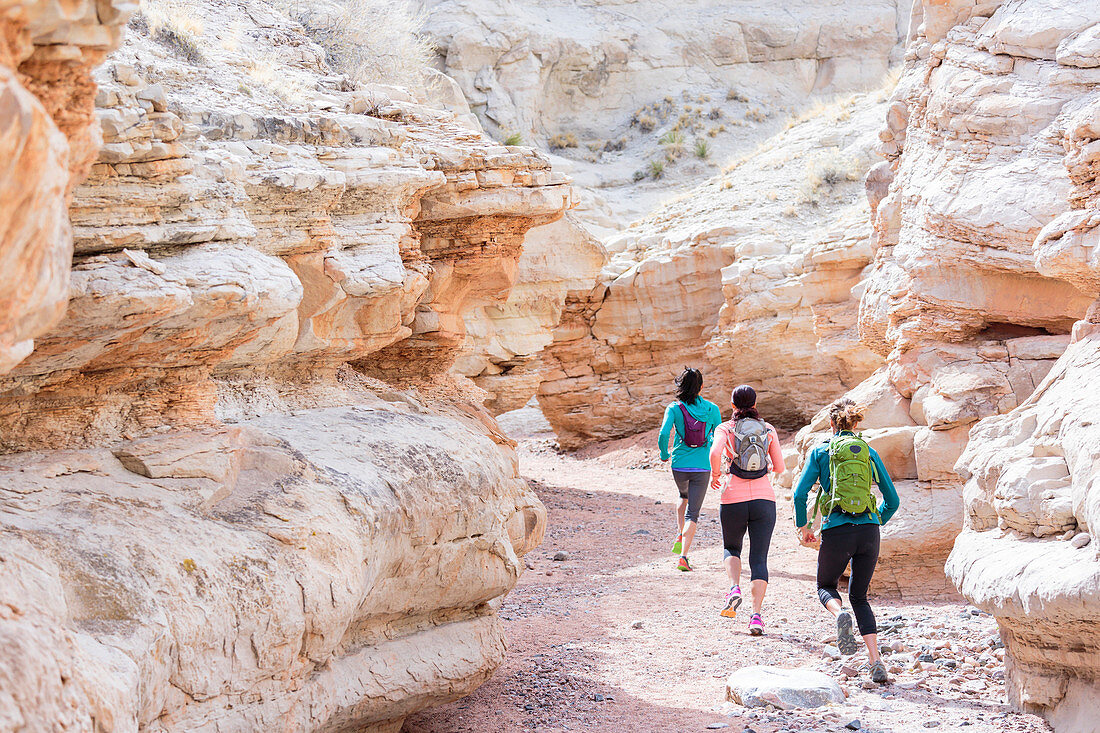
(878, 673)
(845, 639)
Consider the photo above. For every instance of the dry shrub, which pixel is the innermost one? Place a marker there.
(172, 24)
(826, 170)
(645, 122)
(756, 115)
(563, 140)
(369, 40)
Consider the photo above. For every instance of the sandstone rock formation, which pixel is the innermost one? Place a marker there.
(749, 276)
(976, 138)
(1029, 553)
(47, 52)
(503, 341)
(582, 68)
(330, 570)
(238, 482)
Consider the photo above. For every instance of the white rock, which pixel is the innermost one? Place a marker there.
(786, 689)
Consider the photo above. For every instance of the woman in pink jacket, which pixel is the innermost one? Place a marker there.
(744, 451)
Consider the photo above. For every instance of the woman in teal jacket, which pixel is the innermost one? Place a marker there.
(847, 538)
(690, 454)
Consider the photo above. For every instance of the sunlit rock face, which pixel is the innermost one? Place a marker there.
(504, 341)
(568, 67)
(240, 488)
(985, 259)
(1029, 552)
(47, 53)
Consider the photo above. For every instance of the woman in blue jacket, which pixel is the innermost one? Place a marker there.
(690, 454)
(847, 538)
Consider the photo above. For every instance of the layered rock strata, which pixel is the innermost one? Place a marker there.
(749, 277)
(976, 141)
(47, 52)
(504, 340)
(240, 488)
(568, 67)
(1029, 552)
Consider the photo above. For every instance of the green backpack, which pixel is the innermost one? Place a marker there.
(852, 475)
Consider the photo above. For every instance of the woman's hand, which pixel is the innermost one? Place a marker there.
(806, 536)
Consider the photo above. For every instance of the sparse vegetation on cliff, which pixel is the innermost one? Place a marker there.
(170, 24)
(369, 40)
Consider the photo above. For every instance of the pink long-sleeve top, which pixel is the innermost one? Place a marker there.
(734, 489)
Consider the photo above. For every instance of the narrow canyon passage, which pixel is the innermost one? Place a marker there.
(614, 638)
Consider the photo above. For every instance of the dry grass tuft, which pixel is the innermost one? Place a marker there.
(756, 115)
(563, 140)
(826, 170)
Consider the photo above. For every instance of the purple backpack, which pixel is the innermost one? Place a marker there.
(695, 431)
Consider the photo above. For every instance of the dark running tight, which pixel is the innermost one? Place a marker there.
(756, 516)
(859, 544)
(693, 487)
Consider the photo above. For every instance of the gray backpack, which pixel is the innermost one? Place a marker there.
(751, 440)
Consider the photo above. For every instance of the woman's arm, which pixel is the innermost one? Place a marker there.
(806, 481)
(717, 447)
(775, 452)
(666, 431)
(890, 499)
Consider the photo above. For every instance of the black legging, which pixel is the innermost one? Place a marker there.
(758, 517)
(859, 544)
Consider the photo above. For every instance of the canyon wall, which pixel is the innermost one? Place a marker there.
(748, 277)
(238, 482)
(583, 68)
(985, 257)
(1029, 552)
(976, 139)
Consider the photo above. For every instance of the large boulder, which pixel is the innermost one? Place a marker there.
(786, 689)
(241, 576)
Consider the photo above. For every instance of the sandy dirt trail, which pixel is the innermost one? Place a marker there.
(614, 638)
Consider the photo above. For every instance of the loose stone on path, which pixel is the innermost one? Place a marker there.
(786, 689)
